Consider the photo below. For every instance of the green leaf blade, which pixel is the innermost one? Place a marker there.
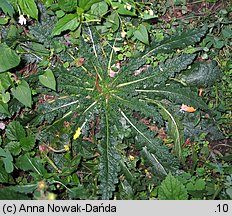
(8, 58)
(67, 6)
(29, 7)
(7, 7)
(27, 143)
(109, 162)
(23, 93)
(15, 131)
(99, 9)
(48, 79)
(172, 189)
(68, 22)
(202, 74)
(86, 4)
(179, 41)
(142, 35)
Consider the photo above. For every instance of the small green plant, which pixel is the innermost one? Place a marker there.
(99, 103)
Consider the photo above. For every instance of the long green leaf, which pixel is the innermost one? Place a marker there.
(174, 127)
(29, 7)
(178, 95)
(156, 162)
(181, 40)
(166, 70)
(109, 161)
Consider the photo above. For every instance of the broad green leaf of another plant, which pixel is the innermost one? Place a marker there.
(172, 189)
(113, 21)
(29, 7)
(121, 9)
(27, 143)
(99, 9)
(202, 74)
(48, 79)
(5, 81)
(86, 4)
(15, 131)
(7, 7)
(141, 34)
(26, 163)
(13, 147)
(68, 22)
(67, 6)
(4, 20)
(7, 160)
(4, 108)
(23, 93)
(8, 58)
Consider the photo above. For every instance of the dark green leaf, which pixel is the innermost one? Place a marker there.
(172, 189)
(141, 34)
(27, 143)
(68, 6)
(13, 147)
(8, 58)
(179, 95)
(29, 188)
(113, 21)
(68, 22)
(202, 74)
(3, 174)
(4, 108)
(6, 194)
(178, 41)
(109, 162)
(153, 162)
(175, 128)
(26, 163)
(86, 4)
(23, 93)
(48, 79)
(122, 10)
(7, 7)
(99, 9)
(15, 131)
